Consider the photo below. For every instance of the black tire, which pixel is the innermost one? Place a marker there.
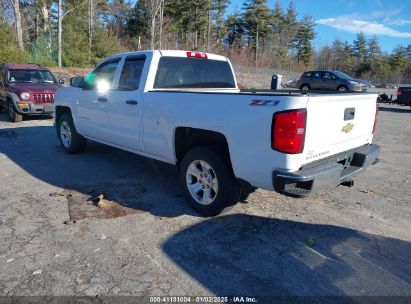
(77, 143)
(2, 109)
(13, 115)
(305, 87)
(228, 192)
(342, 89)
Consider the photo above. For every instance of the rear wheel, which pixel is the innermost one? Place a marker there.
(13, 115)
(208, 182)
(71, 141)
(305, 87)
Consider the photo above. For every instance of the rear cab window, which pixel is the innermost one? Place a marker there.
(180, 72)
(131, 73)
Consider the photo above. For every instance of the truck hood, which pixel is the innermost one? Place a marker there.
(33, 87)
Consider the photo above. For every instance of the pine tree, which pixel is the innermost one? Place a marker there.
(218, 8)
(137, 26)
(374, 49)
(305, 35)
(257, 19)
(346, 60)
(291, 25)
(337, 51)
(278, 18)
(408, 50)
(360, 47)
(360, 52)
(278, 41)
(399, 60)
(9, 50)
(235, 30)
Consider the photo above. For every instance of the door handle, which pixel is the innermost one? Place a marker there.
(132, 102)
(102, 99)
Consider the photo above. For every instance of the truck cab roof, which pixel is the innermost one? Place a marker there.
(173, 53)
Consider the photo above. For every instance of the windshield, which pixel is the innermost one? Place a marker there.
(342, 75)
(180, 72)
(30, 76)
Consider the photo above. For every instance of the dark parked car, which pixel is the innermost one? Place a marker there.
(404, 96)
(26, 89)
(330, 80)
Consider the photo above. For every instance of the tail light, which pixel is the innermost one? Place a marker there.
(199, 55)
(288, 131)
(399, 92)
(376, 117)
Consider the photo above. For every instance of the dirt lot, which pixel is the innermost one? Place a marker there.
(348, 241)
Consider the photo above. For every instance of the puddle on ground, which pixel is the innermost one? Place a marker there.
(101, 201)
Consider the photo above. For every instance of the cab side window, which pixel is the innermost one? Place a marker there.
(103, 75)
(131, 74)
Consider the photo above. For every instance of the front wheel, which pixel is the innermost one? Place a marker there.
(305, 87)
(342, 89)
(13, 115)
(71, 141)
(208, 182)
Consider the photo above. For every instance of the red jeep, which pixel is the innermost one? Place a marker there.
(27, 89)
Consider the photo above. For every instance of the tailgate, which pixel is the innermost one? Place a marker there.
(337, 123)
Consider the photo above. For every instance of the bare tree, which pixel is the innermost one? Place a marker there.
(161, 23)
(90, 28)
(153, 8)
(60, 30)
(45, 13)
(19, 31)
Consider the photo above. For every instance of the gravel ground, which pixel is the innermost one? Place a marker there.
(348, 241)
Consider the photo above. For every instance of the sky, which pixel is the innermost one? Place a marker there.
(389, 20)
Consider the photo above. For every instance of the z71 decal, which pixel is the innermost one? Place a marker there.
(266, 103)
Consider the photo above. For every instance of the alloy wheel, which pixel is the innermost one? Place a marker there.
(202, 182)
(65, 134)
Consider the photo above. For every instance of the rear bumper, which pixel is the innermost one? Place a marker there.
(326, 173)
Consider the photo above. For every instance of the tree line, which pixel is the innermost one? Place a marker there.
(364, 58)
(80, 33)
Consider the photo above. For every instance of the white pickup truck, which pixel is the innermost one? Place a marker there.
(185, 108)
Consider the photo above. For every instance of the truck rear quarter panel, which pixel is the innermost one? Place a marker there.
(247, 128)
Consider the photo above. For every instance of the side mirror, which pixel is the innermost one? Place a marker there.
(77, 82)
(61, 81)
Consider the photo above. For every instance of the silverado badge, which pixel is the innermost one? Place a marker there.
(348, 128)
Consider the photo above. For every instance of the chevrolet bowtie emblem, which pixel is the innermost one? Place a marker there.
(348, 128)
